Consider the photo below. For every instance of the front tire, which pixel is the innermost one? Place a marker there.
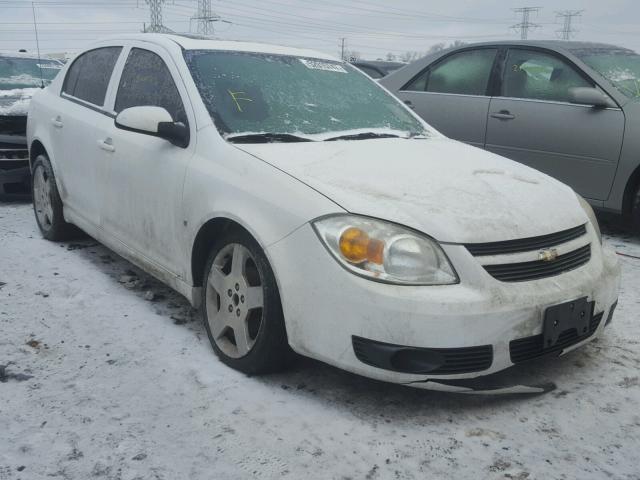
(241, 307)
(47, 204)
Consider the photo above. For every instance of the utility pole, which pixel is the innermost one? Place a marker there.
(525, 25)
(205, 18)
(155, 9)
(567, 29)
(342, 49)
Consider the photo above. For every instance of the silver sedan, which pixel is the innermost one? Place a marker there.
(566, 108)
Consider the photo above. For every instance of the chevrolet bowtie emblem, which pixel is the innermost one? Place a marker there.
(549, 255)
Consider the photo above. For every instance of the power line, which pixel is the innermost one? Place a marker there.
(525, 25)
(567, 30)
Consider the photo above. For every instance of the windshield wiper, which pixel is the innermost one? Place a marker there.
(363, 136)
(267, 138)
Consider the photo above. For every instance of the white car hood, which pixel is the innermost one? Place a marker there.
(446, 189)
(16, 101)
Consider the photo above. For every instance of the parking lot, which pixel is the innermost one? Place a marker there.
(106, 373)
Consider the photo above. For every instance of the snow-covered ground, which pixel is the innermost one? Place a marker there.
(104, 373)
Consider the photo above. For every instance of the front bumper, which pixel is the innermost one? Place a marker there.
(325, 307)
(15, 176)
(15, 179)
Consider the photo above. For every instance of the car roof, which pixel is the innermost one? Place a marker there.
(559, 45)
(193, 42)
(30, 56)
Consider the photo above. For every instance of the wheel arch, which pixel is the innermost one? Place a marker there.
(633, 184)
(208, 232)
(36, 148)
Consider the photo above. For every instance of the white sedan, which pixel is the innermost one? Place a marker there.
(304, 208)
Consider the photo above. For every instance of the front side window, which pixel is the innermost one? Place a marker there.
(146, 81)
(621, 67)
(464, 73)
(283, 94)
(539, 76)
(22, 72)
(89, 75)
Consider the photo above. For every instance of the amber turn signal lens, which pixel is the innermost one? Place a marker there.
(356, 246)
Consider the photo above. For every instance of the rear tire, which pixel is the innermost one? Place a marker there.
(635, 213)
(241, 307)
(47, 204)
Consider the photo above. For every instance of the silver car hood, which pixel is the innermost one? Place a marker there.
(446, 189)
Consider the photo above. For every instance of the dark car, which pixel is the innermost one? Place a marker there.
(21, 76)
(377, 69)
(569, 109)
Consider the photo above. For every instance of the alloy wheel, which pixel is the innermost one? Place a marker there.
(42, 197)
(234, 300)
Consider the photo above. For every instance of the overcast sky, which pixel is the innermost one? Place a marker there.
(370, 27)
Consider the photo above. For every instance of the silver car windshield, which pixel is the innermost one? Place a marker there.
(621, 67)
(255, 93)
(17, 72)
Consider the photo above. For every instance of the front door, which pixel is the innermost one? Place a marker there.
(533, 122)
(452, 94)
(145, 173)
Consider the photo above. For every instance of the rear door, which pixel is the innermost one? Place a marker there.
(452, 94)
(533, 122)
(146, 174)
(78, 126)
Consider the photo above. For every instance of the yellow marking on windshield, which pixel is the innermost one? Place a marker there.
(236, 98)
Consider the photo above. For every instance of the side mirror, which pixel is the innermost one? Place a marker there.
(154, 121)
(589, 96)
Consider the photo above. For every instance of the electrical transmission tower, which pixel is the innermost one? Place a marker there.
(567, 16)
(155, 9)
(525, 25)
(205, 18)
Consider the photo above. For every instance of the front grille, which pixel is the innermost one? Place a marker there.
(528, 348)
(13, 124)
(524, 271)
(8, 154)
(526, 244)
(440, 361)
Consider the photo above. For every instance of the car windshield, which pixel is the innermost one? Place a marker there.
(621, 67)
(253, 94)
(19, 72)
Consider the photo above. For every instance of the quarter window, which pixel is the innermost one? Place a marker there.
(146, 81)
(88, 77)
(464, 73)
(540, 76)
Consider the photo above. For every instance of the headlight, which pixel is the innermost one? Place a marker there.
(384, 251)
(592, 216)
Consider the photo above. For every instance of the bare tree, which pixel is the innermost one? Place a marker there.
(438, 47)
(352, 55)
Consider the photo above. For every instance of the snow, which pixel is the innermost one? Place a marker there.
(100, 382)
(16, 101)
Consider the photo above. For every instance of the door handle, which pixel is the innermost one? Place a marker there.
(106, 145)
(503, 115)
(57, 122)
(409, 104)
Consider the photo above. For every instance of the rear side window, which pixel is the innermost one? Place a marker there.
(464, 73)
(537, 75)
(88, 77)
(146, 81)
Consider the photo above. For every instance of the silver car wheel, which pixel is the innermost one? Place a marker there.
(234, 300)
(42, 197)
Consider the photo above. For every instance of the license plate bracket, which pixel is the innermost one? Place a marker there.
(560, 318)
